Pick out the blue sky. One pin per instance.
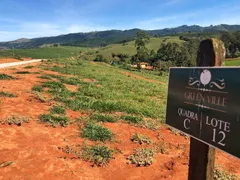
(40, 18)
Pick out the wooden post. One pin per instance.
(202, 157)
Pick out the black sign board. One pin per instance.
(205, 103)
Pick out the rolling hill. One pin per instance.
(103, 38)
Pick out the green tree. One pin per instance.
(141, 41)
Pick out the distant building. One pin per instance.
(142, 65)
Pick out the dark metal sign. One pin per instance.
(205, 103)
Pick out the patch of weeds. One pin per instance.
(58, 110)
(15, 119)
(6, 94)
(28, 67)
(41, 97)
(142, 157)
(96, 132)
(223, 175)
(161, 148)
(98, 154)
(54, 120)
(132, 119)
(45, 77)
(22, 72)
(102, 118)
(37, 88)
(140, 139)
(6, 77)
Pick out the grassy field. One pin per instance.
(44, 53)
(108, 89)
(235, 62)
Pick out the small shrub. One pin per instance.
(37, 88)
(22, 72)
(6, 94)
(96, 132)
(223, 175)
(6, 77)
(140, 139)
(99, 58)
(98, 154)
(132, 119)
(54, 120)
(58, 110)
(142, 157)
(15, 119)
(102, 118)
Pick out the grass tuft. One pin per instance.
(6, 94)
(58, 110)
(22, 72)
(6, 77)
(96, 132)
(37, 88)
(98, 154)
(54, 120)
(102, 118)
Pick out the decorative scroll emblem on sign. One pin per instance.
(206, 79)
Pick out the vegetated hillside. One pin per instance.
(103, 38)
(88, 53)
(130, 49)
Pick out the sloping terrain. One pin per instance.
(46, 110)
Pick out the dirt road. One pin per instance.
(6, 65)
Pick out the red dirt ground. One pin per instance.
(36, 151)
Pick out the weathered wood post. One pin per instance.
(202, 157)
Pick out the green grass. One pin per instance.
(97, 154)
(37, 88)
(22, 72)
(132, 119)
(102, 118)
(58, 110)
(6, 94)
(54, 120)
(5, 77)
(50, 53)
(96, 132)
(235, 62)
(118, 92)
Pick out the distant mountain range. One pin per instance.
(103, 38)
